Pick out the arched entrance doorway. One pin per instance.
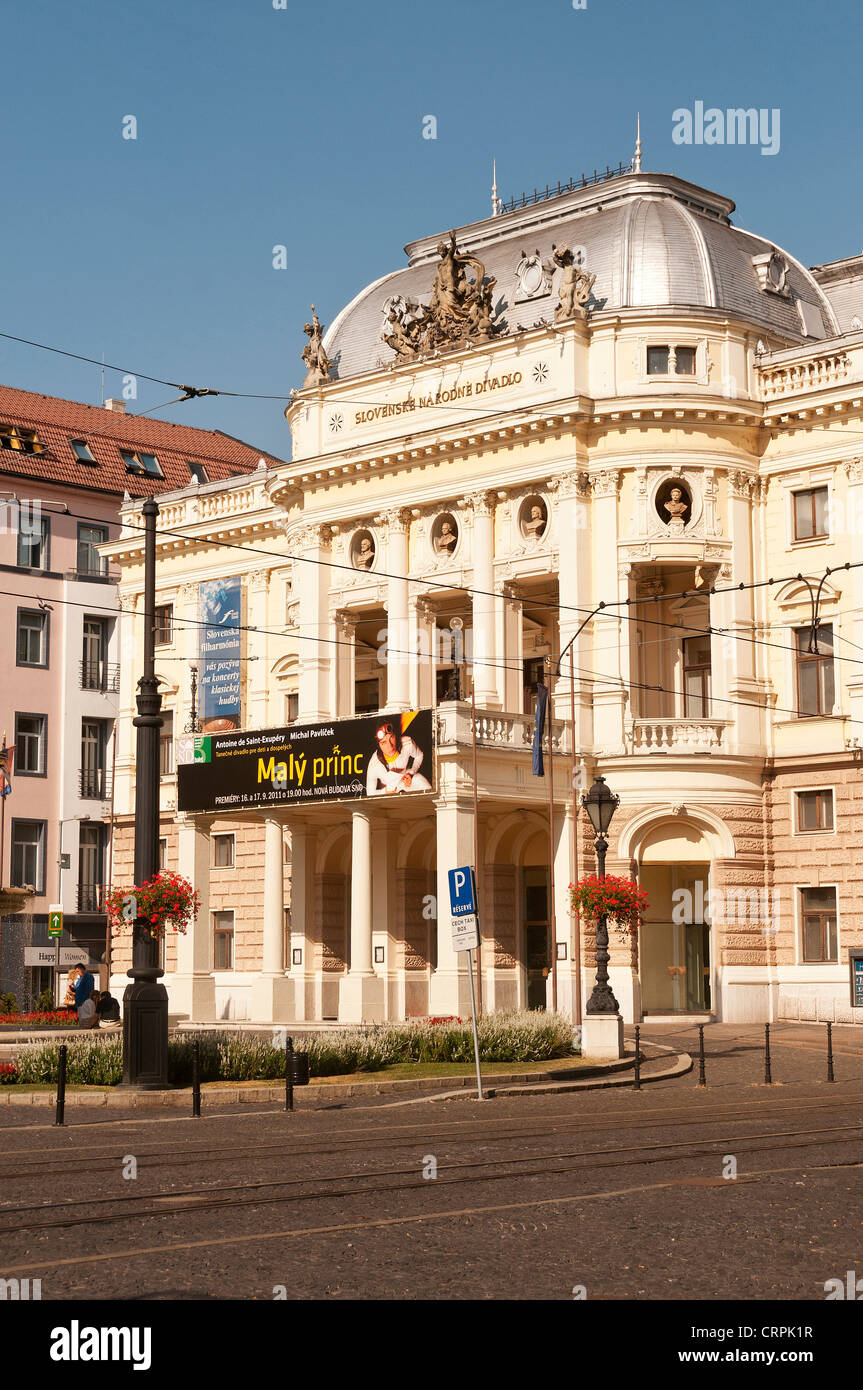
(675, 852)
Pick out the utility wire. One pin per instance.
(585, 673)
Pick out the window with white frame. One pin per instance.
(810, 514)
(814, 811)
(223, 851)
(223, 940)
(816, 688)
(30, 744)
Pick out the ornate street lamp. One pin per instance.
(145, 1002)
(601, 804)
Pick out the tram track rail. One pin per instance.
(364, 1183)
(468, 1130)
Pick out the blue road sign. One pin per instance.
(461, 892)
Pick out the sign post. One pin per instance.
(465, 937)
(55, 929)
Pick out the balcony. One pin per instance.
(494, 729)
(94, 784)
(89, 897)
(677, 736)
(99, 675)
(93, 574)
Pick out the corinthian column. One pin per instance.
(484, 644)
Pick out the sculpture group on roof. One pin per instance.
(459, 312)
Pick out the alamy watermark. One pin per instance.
(733, 126)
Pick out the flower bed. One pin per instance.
(57, 1018)
(504, 1037)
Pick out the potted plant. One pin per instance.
(166, 897)
(619, 900)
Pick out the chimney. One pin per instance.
(113, 404)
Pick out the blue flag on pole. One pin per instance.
(539, 729)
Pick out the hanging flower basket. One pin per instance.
(165, 898)
(619, 900)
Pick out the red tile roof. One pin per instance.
(105, 432)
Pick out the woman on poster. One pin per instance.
(394, 765)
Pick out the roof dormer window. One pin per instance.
(81, 450)
(142, 464)
(198, 472)
(21, 440)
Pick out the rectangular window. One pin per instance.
(28, 854)
(91, 854)
(815, 681)
(696, 677)
(30, 744)
(814, 811)
(810, 514)
(81, 450)
(657, 361)
(166, 744)
(32, 644)
(818, 910)
(223, 851)
(367, 698)
(20, 440)
(34, 543)
(93, 648)
(292, 707)
(223, 940)
(90, 562)
(684, 364)
(163, 853)
(141, 463)
(164, 624)
(197, 471)
(93, 742)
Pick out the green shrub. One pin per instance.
(505, 1036)
(45, 1003)
(91, 1061)
(8, 1004)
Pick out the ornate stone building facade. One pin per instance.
(635, 448)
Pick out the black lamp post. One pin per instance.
(601, 804)
(145, 1002)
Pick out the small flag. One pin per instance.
(539, 728)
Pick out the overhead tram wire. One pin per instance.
(601, 608)
(585, 673)
(601, 611)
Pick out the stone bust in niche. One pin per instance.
(534, 520)
(674, 505)
(446, 539)
(364, 553)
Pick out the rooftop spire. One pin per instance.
(495, 201)
(636, 163)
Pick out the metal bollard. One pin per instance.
(702, 1077)
(768, 1078)
(289, 1074)
(196, 1079)
(61, 1087)
(830, 1076)
(637, 1085)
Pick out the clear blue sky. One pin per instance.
(303, 127)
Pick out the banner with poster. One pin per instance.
(380, 755)
(220, 655)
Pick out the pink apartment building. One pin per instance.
(65, 468)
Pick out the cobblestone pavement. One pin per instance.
(736, 1191)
